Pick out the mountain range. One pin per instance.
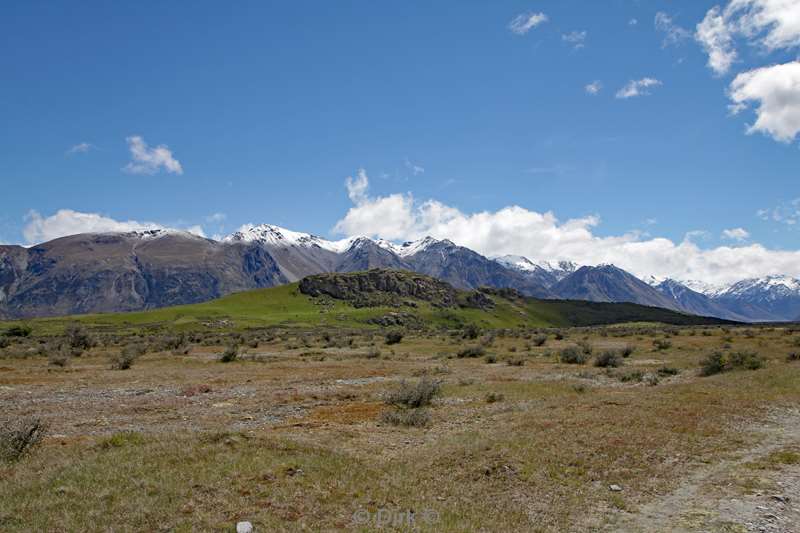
(104, 272)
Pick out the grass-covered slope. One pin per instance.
(330, 300)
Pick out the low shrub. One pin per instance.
(627, 350)
(539, 340)
(406, 417)
(748, 360)
(230, 354)
(665, 371)
(126, 356)
(394, 337)
(471, 351)
(18, 331)
(490, 359)
(413, 395)
(572, 355)
(493, 397)
(713, 363)
(716, 362)
(662, 344)
(19, 437)
(793, 356)
(515, 361)
(608, 358)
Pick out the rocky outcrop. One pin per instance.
(381, 287)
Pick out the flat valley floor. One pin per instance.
(294, 434)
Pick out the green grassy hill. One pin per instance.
(287, 306)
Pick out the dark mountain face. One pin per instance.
(607, 283)
(696, 303)
(125, 272)
(465, 269)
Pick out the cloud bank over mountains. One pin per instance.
(542, 236)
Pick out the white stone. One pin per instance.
(244, 527)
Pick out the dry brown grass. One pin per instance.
(290, 436)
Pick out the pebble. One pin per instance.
(615, 488)
(244, 527)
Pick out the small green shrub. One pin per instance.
(539, 340)
(627, 350)
(748, 360)
(662, 344)
(19, 331)
(493, 397)
(572, 355)
(413, 395)
(230, 354)
(490, 359)
(394, 337)
(126, 356)
(608, 358)
(471, 351)
(665, 371)
(713, 363)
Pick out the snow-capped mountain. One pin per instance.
(768, 298)
(195, 268)
(548, 273)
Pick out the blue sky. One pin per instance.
(269, 106)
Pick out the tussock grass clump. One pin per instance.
(572, 355)
(665, 371)
(19, 437)
(126, 356)
(471, 331)
(515, 361)
(121, 439)
(77, 337)
(608, 358)
(406, 417)
(585, 347)
(793, 356)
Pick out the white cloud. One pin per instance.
(593, 88)
(673, 34)
(633, 22)
(637, 88)
(717, 40)
(68, 222)
(516, 230)
(776, 90)
(357, 187)
(80, 148)
(768, 24)
(576, 38)
(413, 167)
(736, 234)
(522, 24)
(147, 160)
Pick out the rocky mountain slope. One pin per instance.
(141, 270)
(127, 271)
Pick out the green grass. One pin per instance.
(286, 306)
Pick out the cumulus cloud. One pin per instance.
(147, 160)
(517, 230)
(39, 228)
(776, 92)
(673, 34)
(576, 38)
(768, 24)
(636, 88)
(736, 234)
(522, 24)
(593, 88)
(80, 148)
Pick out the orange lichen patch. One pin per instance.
(347, 413)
